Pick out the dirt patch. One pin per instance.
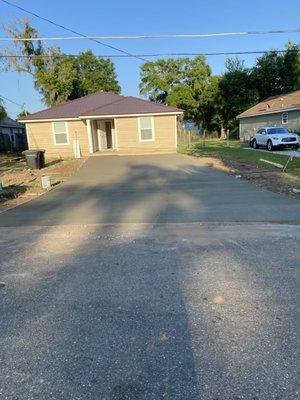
(274, 180)
(22, 184)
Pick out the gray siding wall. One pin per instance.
(250, 125)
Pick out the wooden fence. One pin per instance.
(186, 139)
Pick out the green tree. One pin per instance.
(23, 114)
(210, 106)
(2, 110)
(57, 76)
(159, 77)
(177, 82)
(237, 92)
(276, 73)
(94, 74)
(182, 96)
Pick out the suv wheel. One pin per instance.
(269, 145)
(254, 144)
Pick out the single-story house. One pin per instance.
(103, 122)
(282, 110)
(12, 135)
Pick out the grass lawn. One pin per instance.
(238, 151)
(20, 183)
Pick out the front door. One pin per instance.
(108, 132)
(104, 132)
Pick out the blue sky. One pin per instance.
(156, 17)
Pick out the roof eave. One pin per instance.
(130, 115)
(268, 112)
(25, 121)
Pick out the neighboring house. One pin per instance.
(101, 122)
(12, 135)
(282, 110)
(190, 126)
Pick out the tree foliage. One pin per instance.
(210, 105)
(176, 82)
(276, 73)
(23, 113)
(2, 110)
(236, 91)
(214, 101)
(58, 76)
(94, 74)
(160, 77)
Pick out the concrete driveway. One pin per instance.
(100, 302)
(166, 188)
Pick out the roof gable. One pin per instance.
(131, 105)
(100, 103)
(274, 104)
(9, 122)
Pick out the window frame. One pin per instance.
(287, 118)
(152, 128)
(67, 133)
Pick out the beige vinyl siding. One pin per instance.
(40, 135)
(250, 125)
(127, 129)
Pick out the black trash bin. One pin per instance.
(35, 159)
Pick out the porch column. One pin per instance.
(90, 137)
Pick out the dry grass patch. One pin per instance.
(21, 184)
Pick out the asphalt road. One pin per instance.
(144, 310)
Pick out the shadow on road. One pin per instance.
(113, 311)
(102, 317)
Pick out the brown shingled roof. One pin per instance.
(101, 103)
(274, 104)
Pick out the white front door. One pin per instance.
(105, 135)
(103, 139)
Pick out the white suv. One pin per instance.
(275, 137)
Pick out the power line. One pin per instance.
(156, 36)
(71, 30)
(155, 55)
(11, 101)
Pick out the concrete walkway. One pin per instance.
(154, 189)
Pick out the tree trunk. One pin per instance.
(222, 133)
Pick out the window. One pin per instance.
(285, 118)
(146, 129)
(277, 131)
(60, 131)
